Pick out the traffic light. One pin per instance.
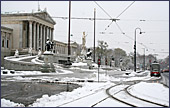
(134, 46)
(106, 61)
(99, 62)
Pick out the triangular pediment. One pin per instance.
(45, 16)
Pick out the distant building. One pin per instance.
(62, 48)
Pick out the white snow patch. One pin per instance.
(151, 91)
(37, 61)
(79, 64)
(8, 103)
(66, 97)
(13, 58)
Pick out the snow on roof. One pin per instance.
(20, 12)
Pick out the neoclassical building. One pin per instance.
(62, 48)
(22, 31)
(6, 42)
(30, 30)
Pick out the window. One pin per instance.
(3, 43)
(7, 44)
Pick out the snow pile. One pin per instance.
(83, 69)
(95, 65)
(37, 61)
(79, 64)
(57, 66)
(102, 77)
(15, 73)
(62, 71)
(21, 57)
(67, 97)
(8, 103)
(88, 70)
(48, 52)
(133, 77)
(151, 91)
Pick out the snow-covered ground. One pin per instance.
(21, 57)
(90, 93)
(151, 91)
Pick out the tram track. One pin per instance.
(114, 96)
(125, 97)
(126, 89)
(108, 96)
(82, 97)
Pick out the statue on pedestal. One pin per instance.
(16, 53)
(89, 54)
(83, 52)
(84, 40)
(39, 53)
(48, 58)
(49, 45)
(89, 58)
(30, 51)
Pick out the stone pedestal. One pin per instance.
(113, 63)
(48, 65)
(89, 62)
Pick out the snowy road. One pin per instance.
(97, 99)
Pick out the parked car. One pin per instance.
(164, 70)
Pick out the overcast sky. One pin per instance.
(155, 26)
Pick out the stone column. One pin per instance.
(41, 37)
(5, 40)
(38, 36)
(52, 34)
(20, 35)
(34, 35)
(44, 37)
(47, 33)
(30, 34)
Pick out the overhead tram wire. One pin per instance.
(112, 19)
(107, 14)
(103, 9)
(118, 25)
(125, 9)
(120, 14)
(117, 17)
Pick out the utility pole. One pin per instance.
(94, 33)
(144, 60)
(69, 32)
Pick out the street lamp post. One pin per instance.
(135, 49)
